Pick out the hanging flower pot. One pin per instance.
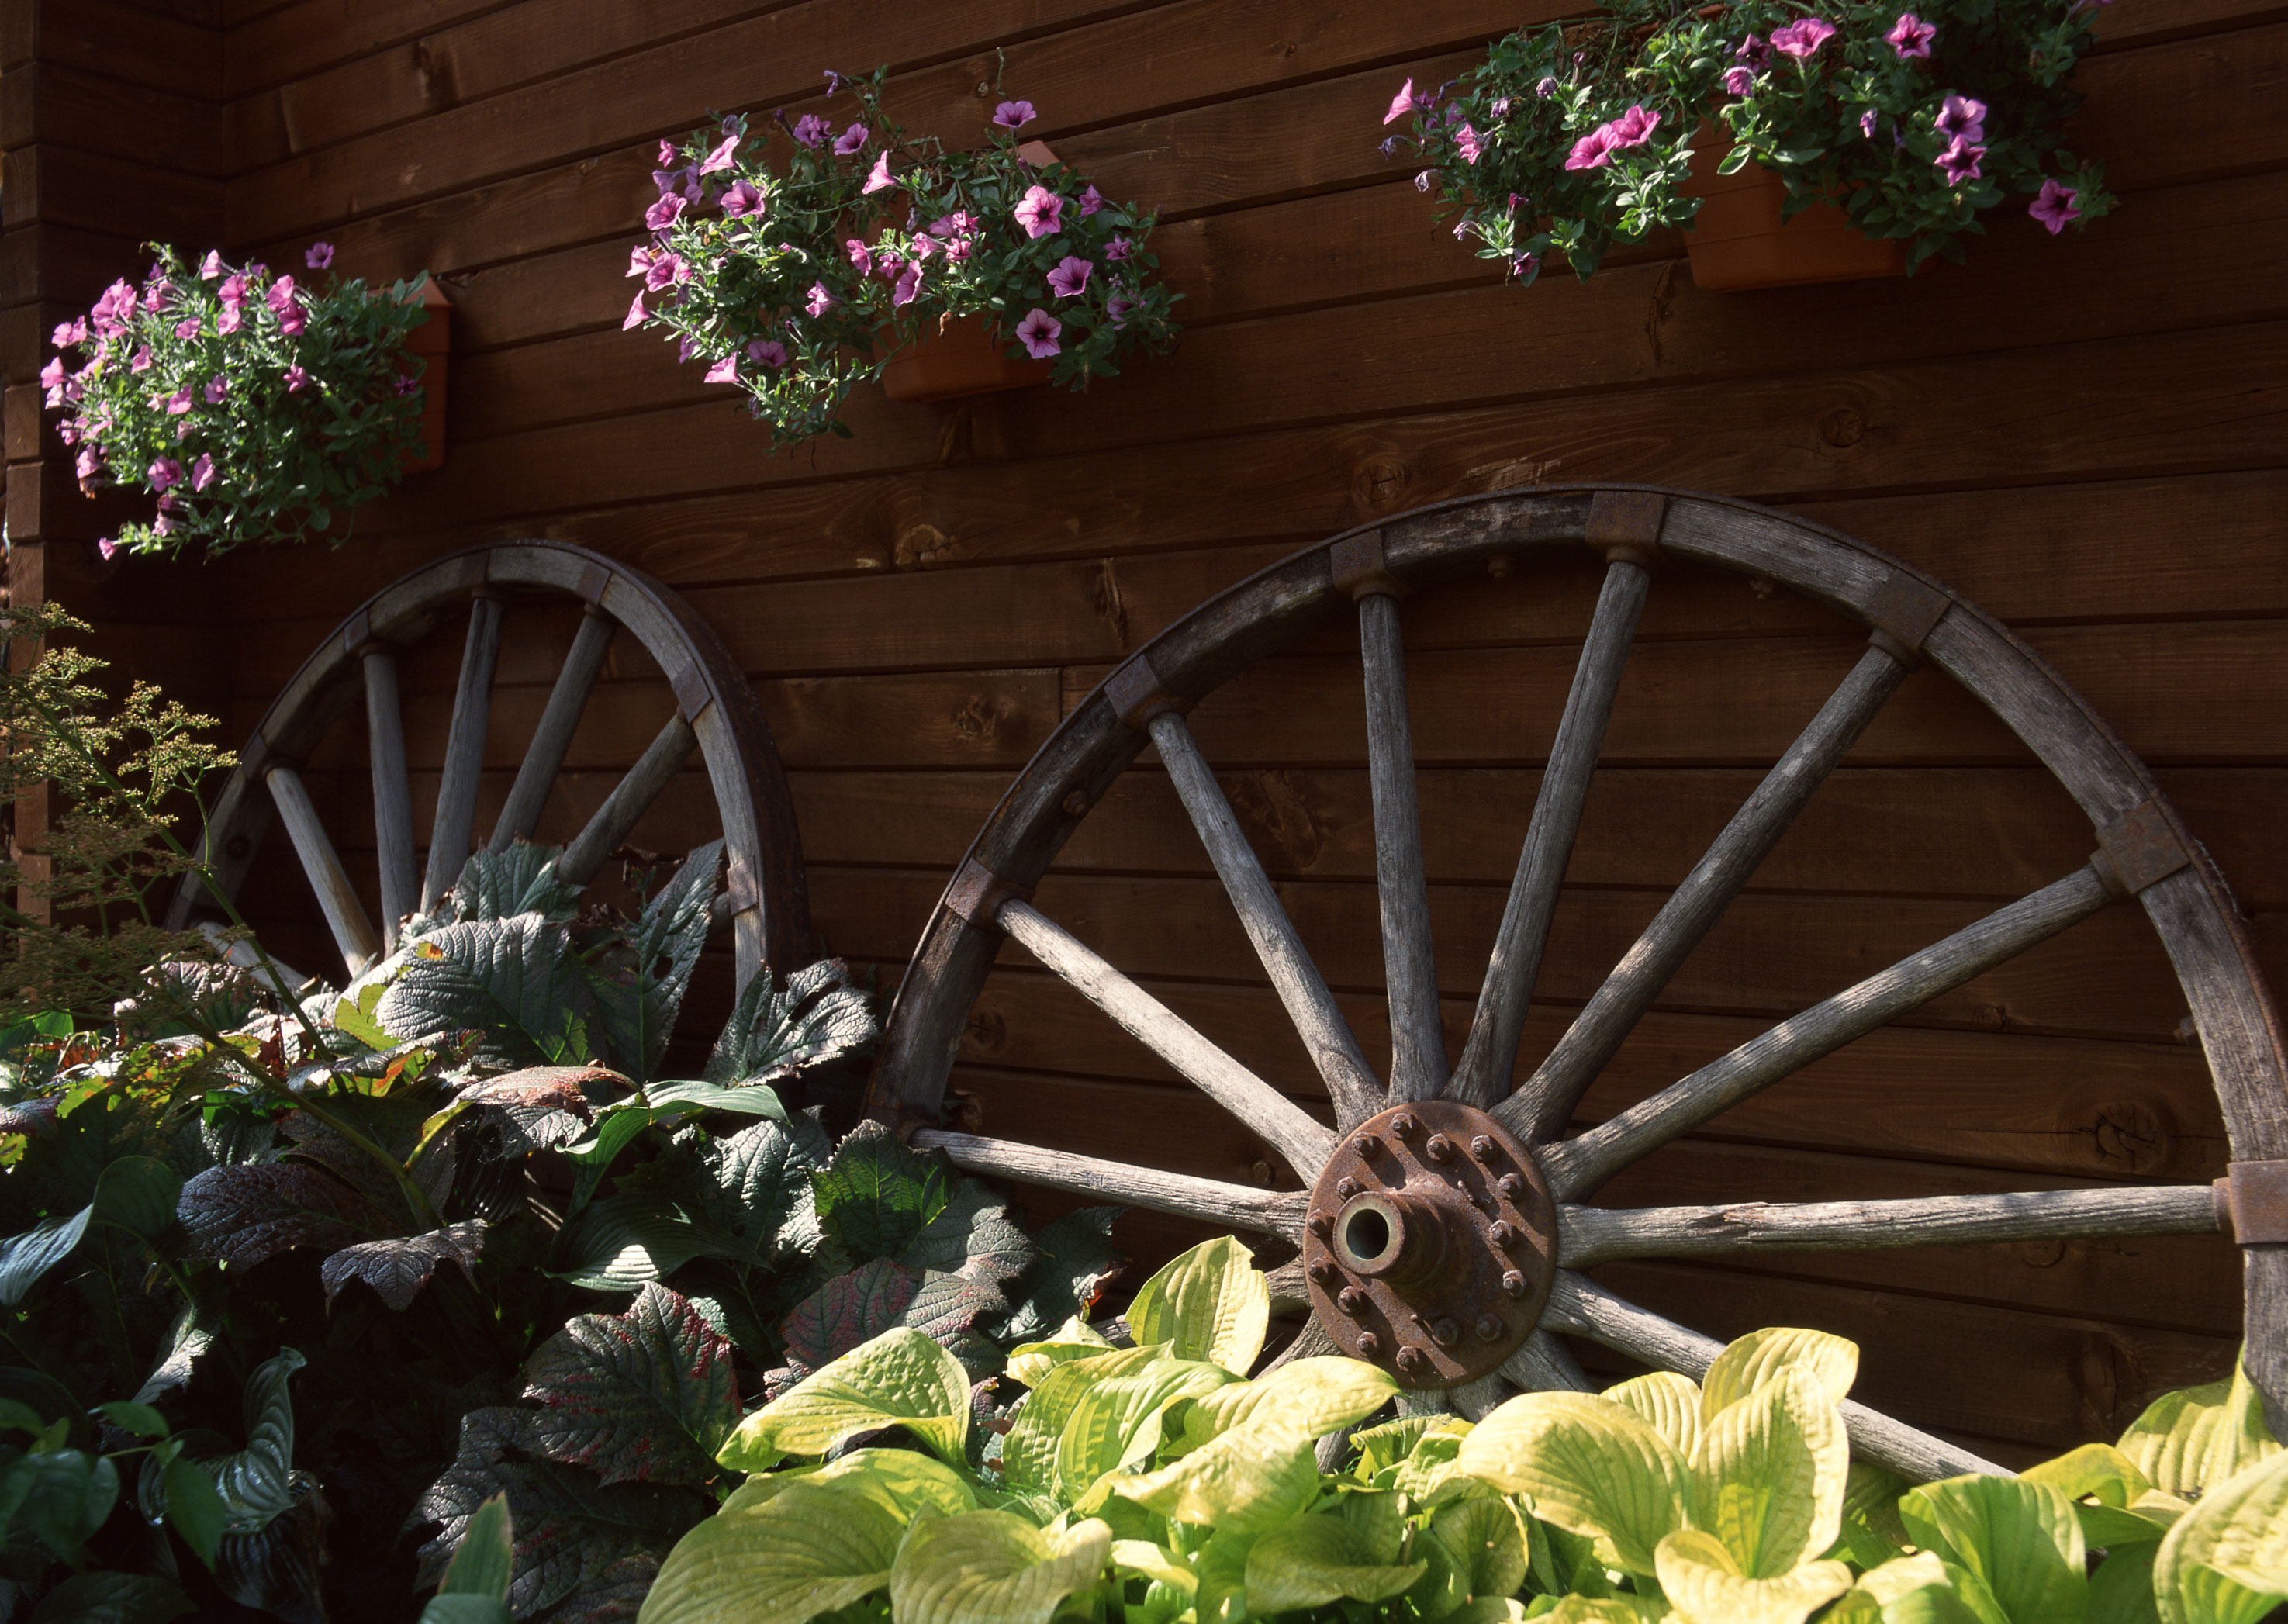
(433, 342)
(964, 357)
(1739, 240)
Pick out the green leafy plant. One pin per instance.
(254, 407)
(1916, 120)
(1155, 1481)
(797, 264)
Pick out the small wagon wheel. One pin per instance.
(1442, 1225)
(714, 711)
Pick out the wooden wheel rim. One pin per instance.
(2143, 849)
(767, 899)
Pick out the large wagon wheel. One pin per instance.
(714, 711)
(1440, 1227)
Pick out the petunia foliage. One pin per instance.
(797, 261)
(258, 408)
(1569, 140)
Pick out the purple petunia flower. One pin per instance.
(1802, 36)
(664, 271)
(667, 155)
(1069, 280)
(1525, 265)
(1960, 162)
(636, 314)
(720, 158)
(1091, 201)
(1014, 115)
(662, 214)
(217, 387)
(860, 255)
(1040, 212)
(880, 179)
(162, 472)
(1422, 181)
(1401, 104)
(1867, 123)
(1595, 149)
(1118, 307)
(297, 379)
(909, 288)
(285, 306)
(1117, 250)
(320, 255)
(210, 267)
(850, 140)
(1038, 332)
(724, 371)
(821, 299)
(742, 199)
(767, 352)
(2056, 206)
(203, 473)
(1470, 144)
(1739, 81)
(811, 130)
(1961, 118)
(1910, 36)
(1754, 51)
(1546, 88)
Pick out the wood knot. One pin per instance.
(986, 1033)
(2131, 1137)
(1842, 428)
(1379, 482)
(1286, 817)
(920, 546)
(984, 718)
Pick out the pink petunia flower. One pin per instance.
(297, 379)
(406, 383)
(162, 472)
(2055, 207)
(1038, 332)
(52, 377)
(664, 271)
(1014, 115)
(811, 130)
(218, 387)
(1118, 307)
(667, 154)
(1754, 51)
(285, 306)
(861, 256)
(113, 311)
(210, 267)
(878, 178)
(662, 214)
(1118, 251)
(1071, 277)
(821, 299)
(187, 327)
(1040, 212)
(767, 352)
(203, 471)
(1595, 149)
(68, 333)
(1470, 144)
(320, 256)
(909, 288)
(1401, 104)
(89, 463)
(720, 158)
(180, 402)
(1802, 36)
(233, 291)
(724, 371)
(1910, 36)
(742, 199)
(142, 362)
(1739, 81)
(636, 314)
(1867, 122)
(108, 548)
(232, 317)
(1960, 162)
(1961, 118)
(850, 140)
(1090, 202)
(156, 292)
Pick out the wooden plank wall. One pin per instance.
(2085, 435)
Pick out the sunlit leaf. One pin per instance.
(1588, 1465)
(644, 1397)
(991, 1567)
(901, 1378)
(1208, 1303)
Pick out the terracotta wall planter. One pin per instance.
(433, 342)
(1738, 242)
(963, 358)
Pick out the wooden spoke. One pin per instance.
(1271, 1211)
(455, 820)
(1544, 1365)
(667, 752)
(1577, 1165)
(393, 792)
(346, 916)
(1285, 1126)
(543, 757)
(1418, 1041)
(1582, 1307)
(1325, 1034)
(1540, 1108)
(1485, 1074)
(1590, 1235)
(1475, 1400)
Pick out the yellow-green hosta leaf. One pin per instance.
(1314, 1395)
(1029, 1450)
(1432, 1475)
(1894, 1579)
(1494, 1610)
(901, 1377)
(1075, 1339)
(1221, 1565)
(1589, 1466)
(904, 1482)
(2226, 1561)
(1706, 1585)
(1916, 1589)
(1609, 1610)
(1145, 1560)
(1760, 1355)
(1669, 1401)
(1310, 1561)
(806, 1551)
(1871, 1510)
(1486, 1541)
(1242, 1481)
(1384, 1447)
(992, 1567)
(1117, 1420)
(2020, 1538)
(1380, 1515)
(1209, 1303)
(1771, 1472)
(2121, 1589)
(2198, 1436)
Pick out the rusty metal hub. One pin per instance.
(1430, 1244)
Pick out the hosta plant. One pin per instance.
(1157, 1480)
(1917, 116)
(795, 259)
(257, 407)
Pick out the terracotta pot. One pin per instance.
(963, 358)
(433, 342)
(1737, 240)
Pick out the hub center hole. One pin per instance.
(1366, 1233)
